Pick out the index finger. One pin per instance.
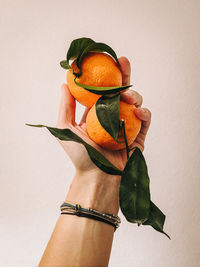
(125, 68)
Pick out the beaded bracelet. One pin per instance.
(111, 219)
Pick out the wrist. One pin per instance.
(95, 189)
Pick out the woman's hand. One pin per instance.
(91, 240)
(77, 152)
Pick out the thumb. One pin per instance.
(67, 108)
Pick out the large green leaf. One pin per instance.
(107, 110)
(98, 159)
(134, 189)
(81, 46)
(156, 219)
(76, 48)
(103, 90)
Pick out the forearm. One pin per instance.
(78, 241)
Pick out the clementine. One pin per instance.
(101, 137)
(98, 69)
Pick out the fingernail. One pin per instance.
(130, 92)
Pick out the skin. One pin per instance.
(79, 241)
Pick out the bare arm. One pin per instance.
(78, 241)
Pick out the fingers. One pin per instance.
(125, 70)
(83, 119)
(66, 115)
(145, 116)
(129, 96)
(132, 97)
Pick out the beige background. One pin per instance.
(162, 41)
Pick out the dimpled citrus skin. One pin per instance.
(99, 135)
(98, 69)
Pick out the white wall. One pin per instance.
(162, 41)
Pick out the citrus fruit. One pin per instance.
(101, 137)
(98, 69)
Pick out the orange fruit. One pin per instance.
(98, 69)
(101, 137)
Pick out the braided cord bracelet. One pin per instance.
(111, 219)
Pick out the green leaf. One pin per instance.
(64, 64)
(107, 110)
(156, 219)
(97, 158)
(134, 189)
(80, 47)
(76, 48)
(103, 90)
(100, 47)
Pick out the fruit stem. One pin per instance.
(125, 139)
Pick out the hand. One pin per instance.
(77, 152)
(90, 187)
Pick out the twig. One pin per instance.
(125, 139)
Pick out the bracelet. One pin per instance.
(90, 217)
(111, 219)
